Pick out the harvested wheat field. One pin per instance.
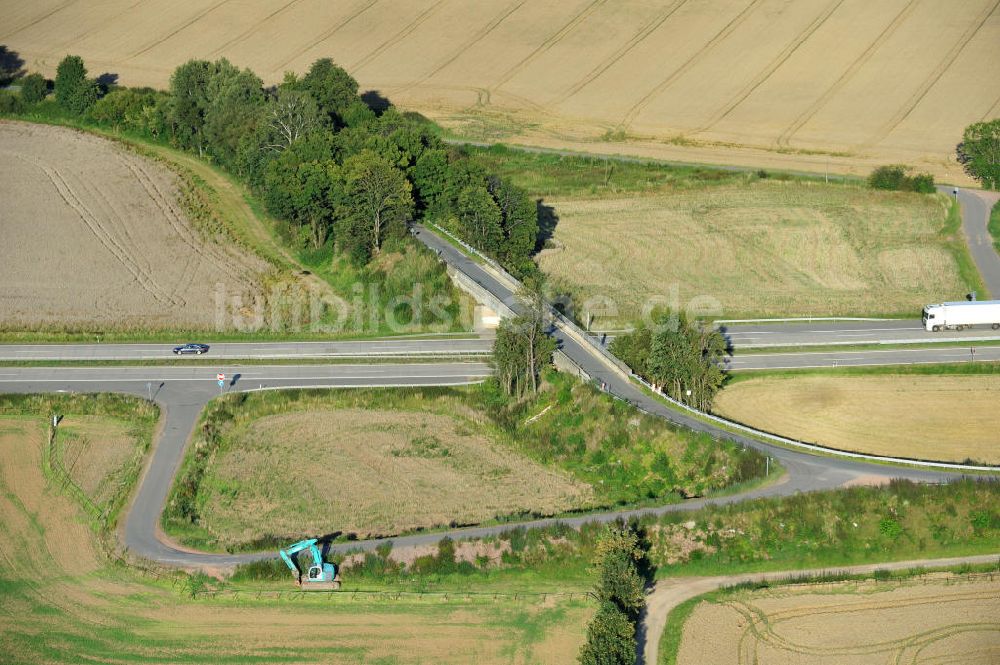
(816, 84)
(95, 239)
(60, 601)
(767, 248)
(370, 472)
(933, 417)
(937, 620)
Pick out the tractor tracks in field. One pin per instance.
(567, 28)
(665, 83)
(943, 66)
(253, 28)
(784, 139)
(398, 37)
(183, 26)
(479, 35)
(39, 19)
(645, 31)
(326, 34)
(106, 238)
(771, 68)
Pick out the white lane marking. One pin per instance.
(243, 379)
(831, 366)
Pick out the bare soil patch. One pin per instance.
(923, 621)
(94, 238)
(765, 248)
(947, 418)
(841, 86)
(370, 472)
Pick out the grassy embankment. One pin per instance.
(222, 209)
(432, 457)
(759, 244)
(925, 412)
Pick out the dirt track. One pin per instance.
(94, 238)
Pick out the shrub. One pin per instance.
(610, 638)
(9, 103)
(34, 88)
(895, 178)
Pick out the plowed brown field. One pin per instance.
(843, 84)
(94, 238)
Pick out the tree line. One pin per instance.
(321, 159)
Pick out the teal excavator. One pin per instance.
(320, 576)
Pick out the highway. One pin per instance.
(389, 348)
(842, 333)
(867, 358)
(183, 392)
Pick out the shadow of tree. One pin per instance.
(11, 65)
(547, 221)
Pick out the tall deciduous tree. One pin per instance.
(189, 103)
(480, 219)
(234, 99)
(979, 152)
(289, 117)
(522, 347)
(332, 87)
(379, 197)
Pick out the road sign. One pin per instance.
(220, 377)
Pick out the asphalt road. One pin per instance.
(975, 217)
(250, 350)
(842, 333)
(182, 394)
(833, 359)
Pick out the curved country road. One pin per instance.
(976, 206)
(671, 592)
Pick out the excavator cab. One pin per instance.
(319, 576)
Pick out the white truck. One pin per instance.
(960, 315)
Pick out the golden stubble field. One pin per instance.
(61, 601)
(94, 238)
(768, 248)
(370, 473)
(936, 620)
(816, 84)
(935, 417)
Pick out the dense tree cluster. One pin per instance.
(679, 357)
(620, 590)
(318, 156)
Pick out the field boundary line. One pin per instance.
(771, 67)
(181, 28)
(944, 65)
(328, 33)
(786, 136)
(398, 37)
(720, 36)
(649, 28)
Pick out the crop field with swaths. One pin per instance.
(62, 601)
(947, 619)
(935, 417)
(815, 84)
(94, 237)
(767, 248)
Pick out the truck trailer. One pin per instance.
(961, 315)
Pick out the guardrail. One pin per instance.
(620, 367)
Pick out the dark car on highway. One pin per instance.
(191, 348)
